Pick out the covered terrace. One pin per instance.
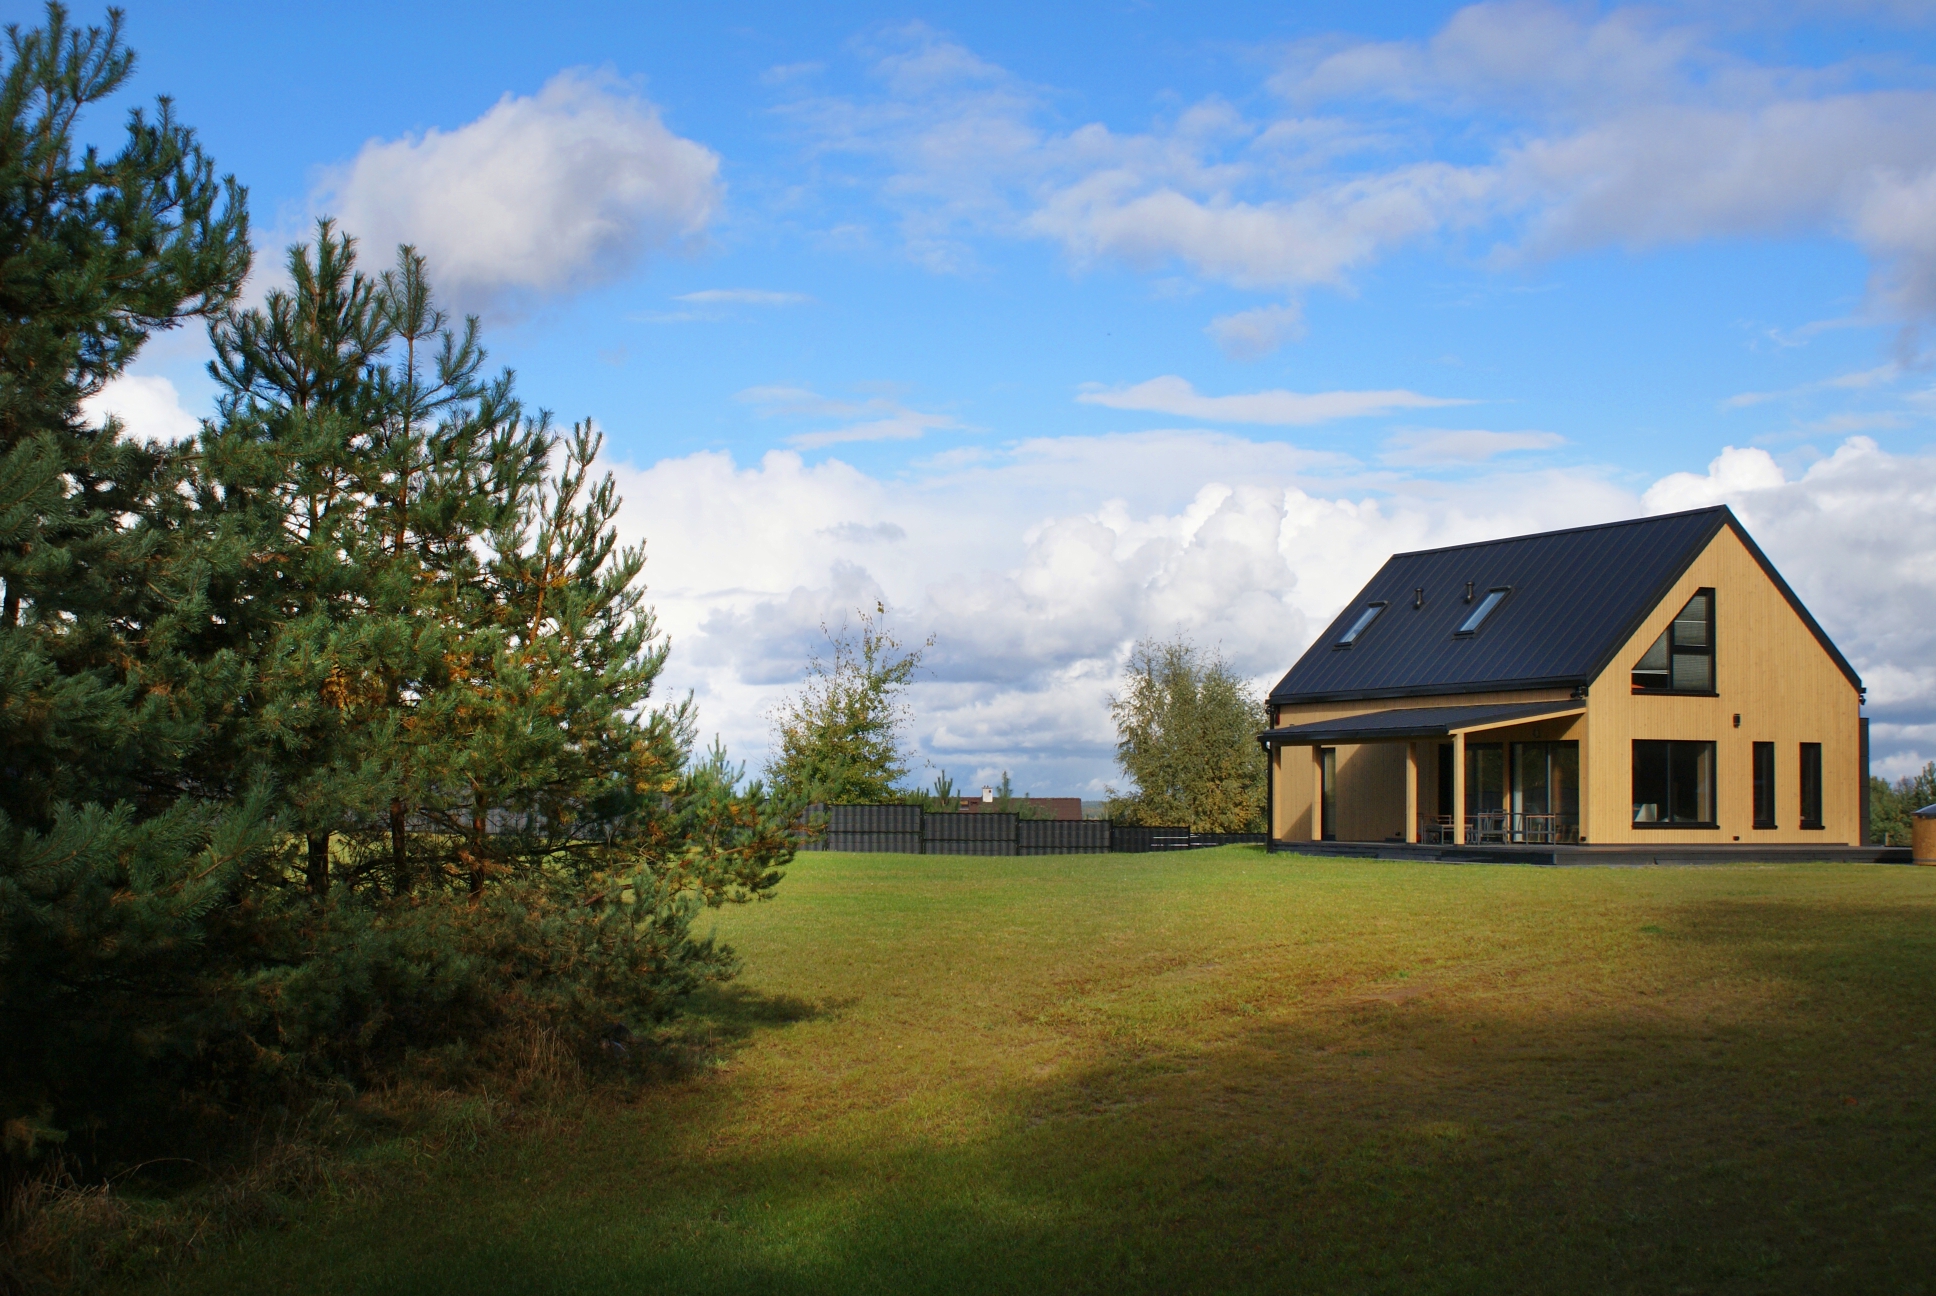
(1507, 773)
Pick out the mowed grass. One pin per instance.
(1226, 1071)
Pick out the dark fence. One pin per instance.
(1060, 836)
(909, 830)
(1140, 838)
(969, 834)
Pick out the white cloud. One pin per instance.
(1855, 535)
(879, 418)
(1173, 395)
(1038, 563)
(1541, 128)
(1252, 334)
(1073, 548)
(545, 193)
(742, 297)
(1429, 446)
(149, 408)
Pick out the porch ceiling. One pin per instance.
(1414, 722)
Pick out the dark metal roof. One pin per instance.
(1416, 722)
(1577, 596)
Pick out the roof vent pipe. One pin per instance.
(1468, 591)
(1418, 598)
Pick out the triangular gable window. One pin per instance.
(1682, 659)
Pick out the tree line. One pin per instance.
(328, 738)
(1186, 726)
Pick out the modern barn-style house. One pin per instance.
(1641, 689)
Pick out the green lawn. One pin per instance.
(1226, 1071)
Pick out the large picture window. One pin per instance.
(1673, 784)
(1682, 659)
(1811, 783)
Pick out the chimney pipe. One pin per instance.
(1468, 591)
(1418, 598)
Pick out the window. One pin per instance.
(1673, 784)
(1764, 785)
(1682, 659)
(1485, 778)
(1811, 783)
(1493, 598)
(1328, 797)
(1358, 627)
(1545, 792)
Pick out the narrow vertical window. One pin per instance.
(1764, 785)
(1328, 800)
(1682, 659)
(1811, 785)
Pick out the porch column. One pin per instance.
(1411, 791)
(1317, 792)
(1458, 788)
(1585, 747)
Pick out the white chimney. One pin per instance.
(988, 795)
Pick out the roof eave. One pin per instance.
(1432, 690)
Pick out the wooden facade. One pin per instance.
(1775, 681)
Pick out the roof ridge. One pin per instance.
(1541, 535)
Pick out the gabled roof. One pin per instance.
(1576, 597)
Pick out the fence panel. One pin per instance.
(1137, 839)
(968, 834)
(899, 843)
(874, 819)
(1061, 836)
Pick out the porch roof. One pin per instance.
(1414, 722)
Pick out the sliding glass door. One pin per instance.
(1546, 792)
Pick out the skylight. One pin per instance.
(1365, 618)
(1479, 614)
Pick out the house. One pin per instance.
(1032, 807)
(1626, 690)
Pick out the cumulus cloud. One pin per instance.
(1173, 395)
(1074, 548)
(149, 408)
(1077, 546)
(1252, 334)
(1855, 534)
(544, 193)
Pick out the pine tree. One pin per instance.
(111, 859)
(357, 443)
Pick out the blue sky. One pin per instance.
(1055, 326)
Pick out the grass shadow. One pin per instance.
(1712, 1095)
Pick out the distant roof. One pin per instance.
(1413, 722)
(1576, 597)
